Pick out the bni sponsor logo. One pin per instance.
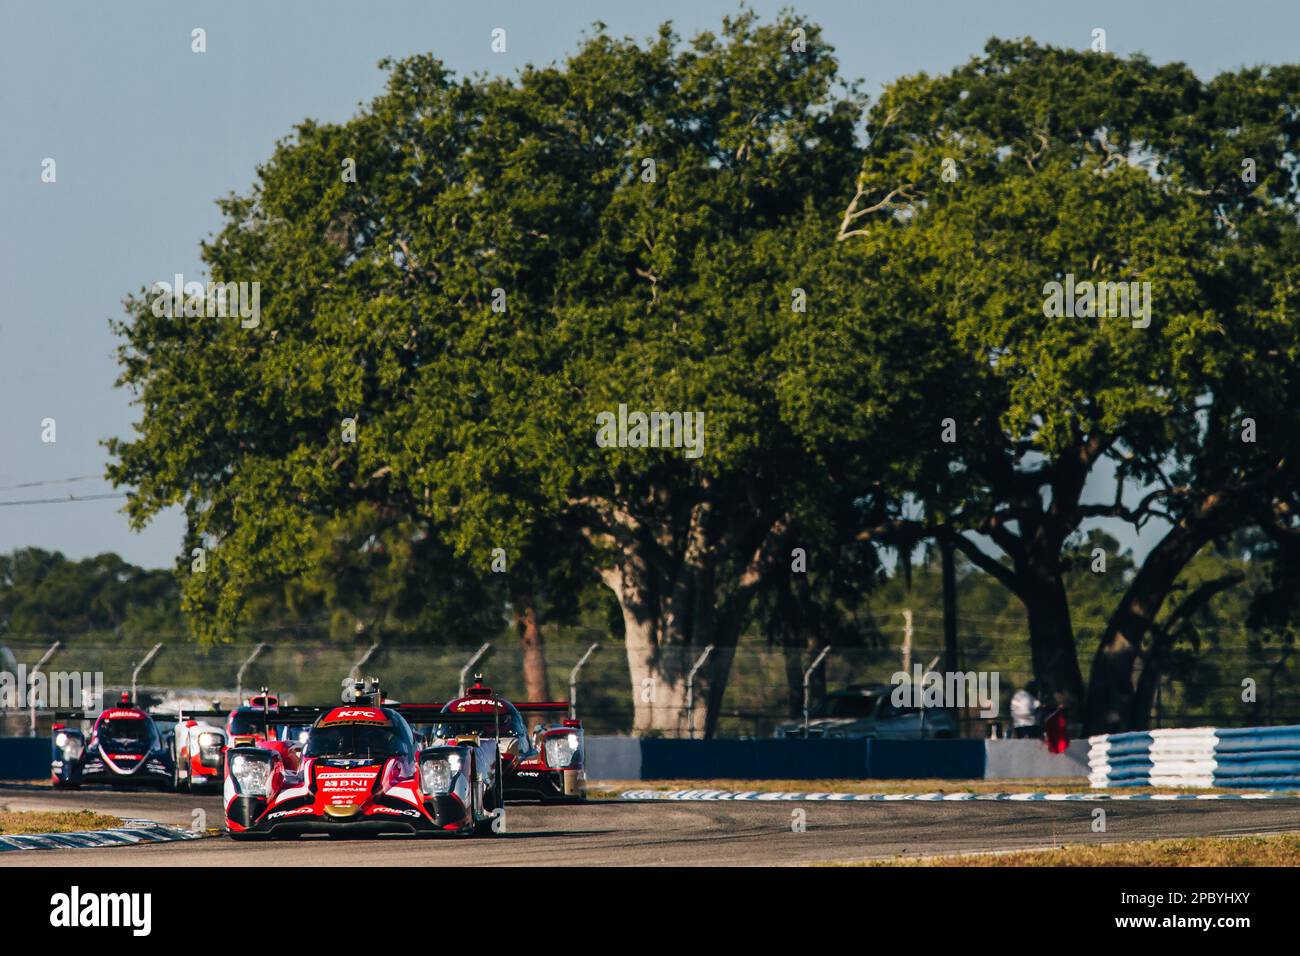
(75, 909)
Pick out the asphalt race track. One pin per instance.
(611, 833)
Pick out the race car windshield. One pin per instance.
(294, 734)
(247, 724)
(510, 726)
(127, 732)
(354, 740)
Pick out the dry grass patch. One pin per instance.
(1275, 850)
(54, 821)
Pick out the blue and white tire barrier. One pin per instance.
(130, 833)
(780, 796)
(1255, 757)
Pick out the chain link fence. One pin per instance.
(764, 686)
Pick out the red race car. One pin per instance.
(546, 764)
(364, 771)
(200, 742)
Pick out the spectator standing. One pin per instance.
(1024, 712)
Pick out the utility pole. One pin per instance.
(907, 641)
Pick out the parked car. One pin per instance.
(868, 712)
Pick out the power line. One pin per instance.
(50, 481)
(61, 501)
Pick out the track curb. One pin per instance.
(1043, 797)
(131, 833)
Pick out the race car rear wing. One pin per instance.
(427, 714)
(269, 718)
(542, 706)
(183, 714)
(434, 714)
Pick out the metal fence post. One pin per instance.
(690, 691)
(573, 682)
(239, 678)
(141, 666)
(470, 663)
(31, 696)
(807, 679)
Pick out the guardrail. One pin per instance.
(1256, 757)
(634, 758)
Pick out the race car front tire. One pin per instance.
(490, 805)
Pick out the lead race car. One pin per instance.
(364, 771)
(124, 748)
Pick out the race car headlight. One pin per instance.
(69, 744)
(252, 774)
(561, 749)
(209, 742)
(436, 774)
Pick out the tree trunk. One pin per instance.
(801, 642)
(664, 579)
(1163, 641)
(657, 668)
(1051, 641)
(536, 684)
(1111, 703)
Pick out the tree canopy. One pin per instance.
(464, 283)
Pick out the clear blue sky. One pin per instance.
(146, 135)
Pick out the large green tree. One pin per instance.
(1031, 166)
(515, 258)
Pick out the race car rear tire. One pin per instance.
(60, 785)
